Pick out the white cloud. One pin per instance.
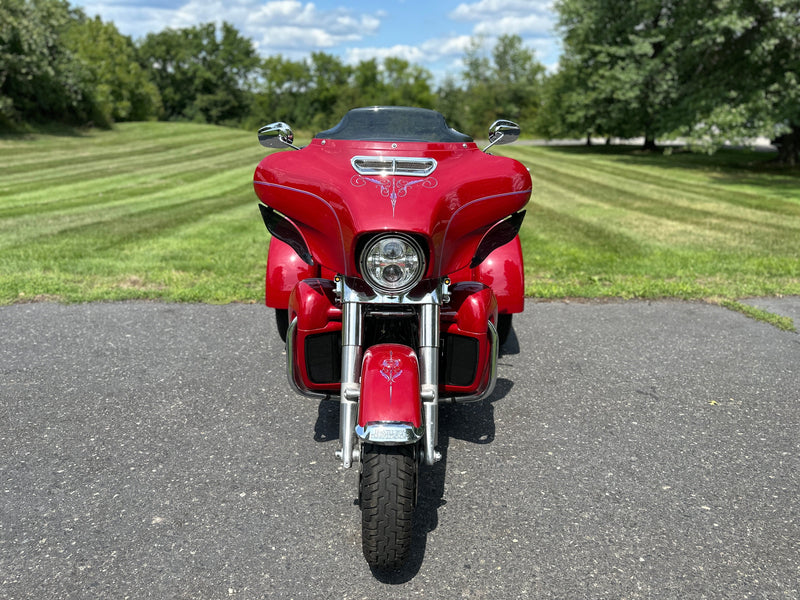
(274, 26)
(492, 9)
(429, 51)
(520, 25)
(532, 20)
(280, 25)
(521, 17)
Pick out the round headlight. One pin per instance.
(393, 264)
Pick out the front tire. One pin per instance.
(282, 322)
(387, 492)
(503, 327)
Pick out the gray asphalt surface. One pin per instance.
(630, 450)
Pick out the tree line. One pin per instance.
(707, 70)
(58, 65)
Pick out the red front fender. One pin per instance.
(390, 387)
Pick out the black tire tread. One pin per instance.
(282, 322)
(387, 494)
(504, 323)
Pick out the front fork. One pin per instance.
(352, 353)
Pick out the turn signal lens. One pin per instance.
(393, 264)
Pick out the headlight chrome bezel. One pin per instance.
(411, 275)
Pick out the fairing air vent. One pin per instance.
(387, 165)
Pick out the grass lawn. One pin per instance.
(613, 222)
(149, 210)
(167, 211)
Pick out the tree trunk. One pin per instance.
(588, 139)
(649, 143)
(789, 147)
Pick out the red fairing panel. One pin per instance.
(503, 272)
(318, 189)
(472, 305)
(284, 270)
(313, 302)
(390, 386)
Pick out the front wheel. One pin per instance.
(503, 327)
(387, 492)
(282, 322)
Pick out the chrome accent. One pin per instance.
(501, 132)
(430, 412)
(393, 165)
(414, 297)
(290, 366)
(390, 433)
(493, 341)
(276, 135)
(429, 300)
(351, 376)
(429, 376)
(379, 285)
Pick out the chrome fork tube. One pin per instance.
(429, 377)
(351, 375)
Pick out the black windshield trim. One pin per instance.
(394, 124)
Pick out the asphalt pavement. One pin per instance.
(630, 450)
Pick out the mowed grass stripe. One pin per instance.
(702, 195)
(90, 153)
(695, 218)
(166, 223)
(705, 207)
(615, 224)
(167, 211)
(33, 183)
(123, 211)
(112, 185)
(209, 155)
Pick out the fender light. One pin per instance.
(393, 264)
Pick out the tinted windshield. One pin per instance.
(394, 124)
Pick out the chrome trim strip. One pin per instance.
(390, 433)
(393, 165)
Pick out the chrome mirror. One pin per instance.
(276, 135)
(502, 131)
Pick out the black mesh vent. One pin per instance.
(459, 360)
(324, 357)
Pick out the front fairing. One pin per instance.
(333, 206)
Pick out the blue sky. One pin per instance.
(431, 33)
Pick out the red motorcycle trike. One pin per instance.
(394, 269)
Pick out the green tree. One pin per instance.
(623, 54)
(405, 84)
(507, 85)
(316, 92)
(202, 74)
(740, 72)
(715, 70)
(40, 78)
(570, 109)
(330, 78)
(282, 93)
(120, 89)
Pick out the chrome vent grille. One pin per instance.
(387, 165)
